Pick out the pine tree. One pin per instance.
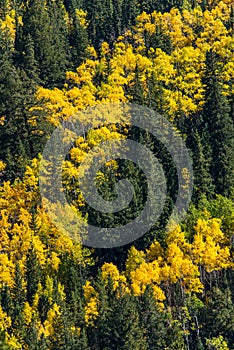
(78, 39)
(47, 28)
(19, 298)
(217, 316)
(57, 339)
(118, 321)
(159, 39)
(82, 343)
(118, 17)
(54, 72)
(137, 90)
(161, 330)
(31, 337)
(9, 82)
(43, 306)
(196, 141)
(101, 24)
(127, 332)
(219, 123)
(29, 63)
(130, 11)
(153, 321)
(154, 98)
(6, 300)
(33, 274)
(16, 97)
(18, 290)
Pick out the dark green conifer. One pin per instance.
(218, 121)
(33, 274)
(78, 39)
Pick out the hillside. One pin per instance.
(161, 75)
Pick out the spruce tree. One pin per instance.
(161, 330)
(9, 83)
(31, 336)
(54, 73)
(33, 274)
(137, 90)
(218, 120)
(131, 9)
(16, 98)
(19, 298)
(78, 39)
(118, 322)
(118, 17)
(45, 23)
(6, 300)
(101, 24)
(196, 141)
(217, 316)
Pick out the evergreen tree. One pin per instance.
(43, 306)
(217, 316)
(19, 298)
(16, 97)
(201, 154)
(83, 343)
(219, 123)
(78, 39)
(164, 6)
(126, 330)
(33, 274)
(9, 82)
(131, 9)
(137, 90)
(6, 300)
(118, 321)
(31, 337)
(158, 40)
(162, 332)
(47, 28)
(57, 340)
(54, 72)
(118, 17)
(29, 63)
(154, 97)
(101, 24)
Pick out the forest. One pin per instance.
(169, 289)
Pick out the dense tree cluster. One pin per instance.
(166, 290)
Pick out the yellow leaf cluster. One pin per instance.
(180, 261)
(52, 314)
(5, 321)
(27, 313)
(109, 270)
(210, 247)
(8, 24)
(82, 16)
(91, 307)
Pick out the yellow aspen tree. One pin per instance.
(5, 326)
(27, 313)
(8, 24)
(210, 247)
(52, 314)
(109, 270)
(134, 260)
(91, 306)
(179, 267)
(7, 271)
(147, 274)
